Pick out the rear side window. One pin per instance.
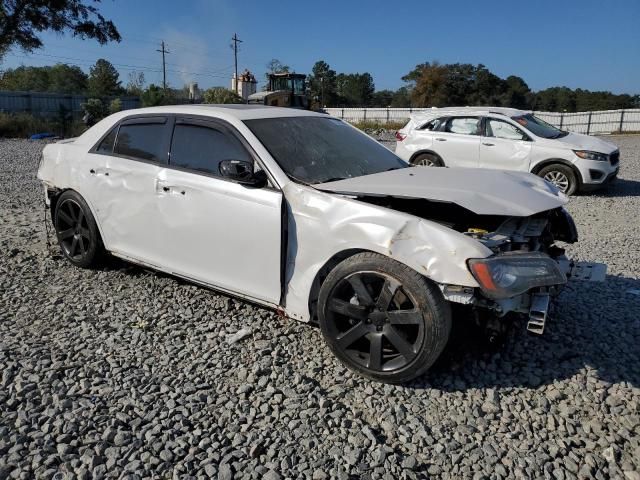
(142, 140)
(433, 125)
(106, 145)
(463, 125)
(202, 148)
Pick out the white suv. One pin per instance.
(507, 139)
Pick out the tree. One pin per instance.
(104, 79)
(22, 20)
(60, 78)
(221, 95)
(355, 89)
(322, 84)
(135, 85)
(275, 66)
(152, 96)
(382, 98)
(401, 98)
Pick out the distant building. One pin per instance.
(246, 84)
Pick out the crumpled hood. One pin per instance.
(482, 191)
(578, 141)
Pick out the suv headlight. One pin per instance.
(587, 155)
(508, 275)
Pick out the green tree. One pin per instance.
(322, 84)
(382, 98)
(219, 95)
(115, 105)
(60, 78)
(21, 22)
(355, 89)
(401, 98)
(152, 96)
(104, 79)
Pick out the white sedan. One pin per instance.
(303, 213)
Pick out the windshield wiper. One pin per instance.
(334, 179)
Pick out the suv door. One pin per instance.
(504, 146)
(214, 230)
(457, 141)
(121, 172)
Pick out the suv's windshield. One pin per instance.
(317, 150)
(539, 127)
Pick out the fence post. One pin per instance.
(342, 114)
(589, 123)
(365, 114)
(410, 110)
(621, 121)
(387, 114)
(561, 119)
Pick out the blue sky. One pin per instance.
(578, 43)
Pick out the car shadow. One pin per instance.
(594, 326)
(619, 188)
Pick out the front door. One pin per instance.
(504, 146)
(214, 230)
(458, 141)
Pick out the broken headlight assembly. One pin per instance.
(508, 275)
(587, 155)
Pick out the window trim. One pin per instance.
(159, 118)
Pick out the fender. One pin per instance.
(540, 165)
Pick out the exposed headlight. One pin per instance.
(587, 155)
(508, 275)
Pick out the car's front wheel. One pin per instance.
(561, 176)
(76, 230)
(382, 319)
(427, 160)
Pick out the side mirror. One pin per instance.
(242, 172)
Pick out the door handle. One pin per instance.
(92, 171)
(166, 189)
(488, 144)
(441, 139)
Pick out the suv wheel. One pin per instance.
(561, 176)
(427, 160)
(382, 319)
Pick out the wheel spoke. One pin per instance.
(354, 333)
(73, 247)
(364, 297)
(375, 351)
(65, 217)
(400, 344)
(349, 309)
(387, 293)
(85, 233)
(64, 234)
(80, 217)
(405, 317)
(83, 249)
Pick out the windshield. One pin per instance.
(539, 127)
(318, 150)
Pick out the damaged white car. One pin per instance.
(305, 214)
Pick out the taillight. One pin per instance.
(400, 136)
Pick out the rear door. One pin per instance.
(214, 230)
(457, 141)
(123, 192)
(504, 146)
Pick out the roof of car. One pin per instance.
(239, 111)
(437, 112)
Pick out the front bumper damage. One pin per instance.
(534, 304)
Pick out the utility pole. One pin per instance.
(235, 40)
(164, 68)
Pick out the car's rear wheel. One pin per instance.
(382, 319)
(561, 176)
(76, 230)
(427, 160)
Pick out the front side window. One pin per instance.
(538, 126)
(500, 129)
(322, 149)
(203, 148)
(463, 125)
(141, 140)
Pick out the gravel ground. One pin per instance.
(119, 373)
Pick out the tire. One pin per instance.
(382, 319)
(76, 231)
(561, 176)
(427, 160)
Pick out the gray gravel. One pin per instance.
(118, 373)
